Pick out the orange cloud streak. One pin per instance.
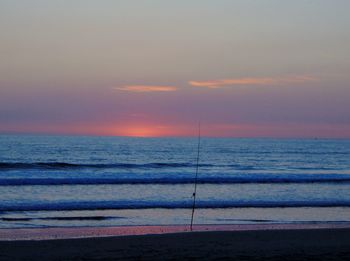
(252, 81)
(146, 88)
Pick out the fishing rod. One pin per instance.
(196, 177)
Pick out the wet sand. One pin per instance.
(268, 243)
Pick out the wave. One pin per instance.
(253, 179)
(64, 165)
(61, 218)
(119, 205)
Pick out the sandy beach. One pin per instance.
(306, 242)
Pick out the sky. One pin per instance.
(243, 68)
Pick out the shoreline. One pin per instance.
(259, 244)
(55, 233)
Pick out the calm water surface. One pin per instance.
(101, 181)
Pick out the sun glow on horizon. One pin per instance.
(138, 131)
(150, 130)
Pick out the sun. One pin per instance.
(139, 131)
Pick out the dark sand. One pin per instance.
(287, 244)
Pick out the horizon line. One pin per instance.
(170, 136)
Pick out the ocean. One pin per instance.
(68, 181)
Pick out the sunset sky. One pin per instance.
(243, 68)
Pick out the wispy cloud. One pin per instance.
(146, 88)
(252, 81)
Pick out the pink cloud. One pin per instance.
(146, 88)
(252, 81)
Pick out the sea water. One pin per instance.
(53, 181)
